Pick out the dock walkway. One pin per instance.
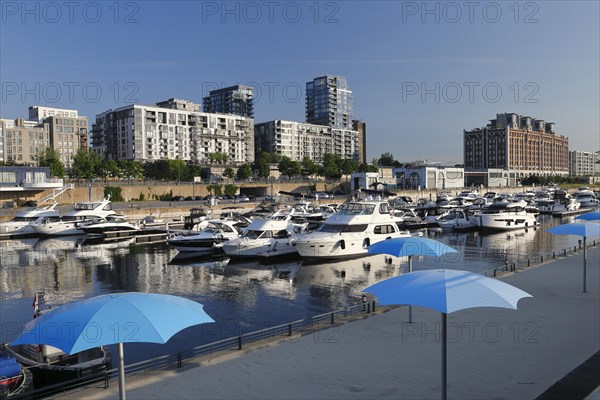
(492, 353)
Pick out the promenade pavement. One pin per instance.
(492, 353)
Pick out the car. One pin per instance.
(322, 195)
(30, 203)
(178, 198)
(242, 198)
(269, 198)
(190, 198)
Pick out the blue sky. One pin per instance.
(421, 72)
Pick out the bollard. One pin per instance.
(289, 329)
(494, 272)
(541, 259)
(239, 342)
(528, 263)
(565, 250)
(368, 308)
(574, 249)
(553, 255)
(373, 305)
(332, 318)
(179, 360)
(514, 267)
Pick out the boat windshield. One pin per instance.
(333, 228)
(356, 209)
(252, 234)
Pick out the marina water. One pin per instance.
(240, 296)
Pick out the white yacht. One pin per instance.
(111, 223)
(457, 219)
(264, 238)
(506, 216)
(587, 200)
(71, 223)
(350, 231)
(562, 202)
(210, 239)
(21, 223)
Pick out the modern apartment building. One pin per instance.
(22, 141)
(582, 163)
(236, 100)
(67, 136)
(361, 128)
(512, 147)
(329, 102)
(297, 140)
(173, 129)
(39, 113)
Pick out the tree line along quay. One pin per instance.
(89, 166)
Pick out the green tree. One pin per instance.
(230, 190)
(386, 160)
(347, 166)
(331, 169)
(228, 173)
(131, 169)
(51, 158)
(244, 172)
(367, 168)
(107, 169)
(84, 164)
(309, 167)
(261, 164)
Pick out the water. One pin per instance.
(241, 297)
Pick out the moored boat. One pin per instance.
(505, 216)
(111, 223)
(349, 232)
(210, 239)
(71, 223)
(21, 224)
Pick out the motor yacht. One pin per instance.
(264, 238)
(111, 223)
(505, 216)
(349, 232)
(71, 223)
(208, 240)
(457, 219)
(561, 202)
(587, 200)
(21, 224)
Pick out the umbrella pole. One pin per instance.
(584, 265)
(121, 372)
(444, 358)
(410, 307)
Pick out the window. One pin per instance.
(383, 229)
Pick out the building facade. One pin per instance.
(582, 163)
(23, 140)
(40, 113)
(173, 130)
(329, 102)
(297, 140)
(361, 128)
(429, 177)
(67, 136)
(237, 100)
(519, 146)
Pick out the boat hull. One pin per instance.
(263, 249)
(339, 247)
(507, 222)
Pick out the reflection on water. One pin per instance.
(245, 295)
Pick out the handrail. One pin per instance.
(164, 361)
